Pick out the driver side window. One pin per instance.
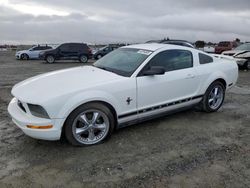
(35, 49)
(173, 60)
(64, 47)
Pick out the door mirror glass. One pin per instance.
(154, 70)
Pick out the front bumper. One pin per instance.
(22, 119)
(18, 56)
(240, 61)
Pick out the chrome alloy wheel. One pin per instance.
(215, 97)
(90, 127)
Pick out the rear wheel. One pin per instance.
(89, 124)
(50, 59)
(83, 59)
(213, 98)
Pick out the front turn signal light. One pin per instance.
(39, 127)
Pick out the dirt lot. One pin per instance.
(188, 149)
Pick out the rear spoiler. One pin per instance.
(224, 57)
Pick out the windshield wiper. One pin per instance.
(107, 69)
(103, 68)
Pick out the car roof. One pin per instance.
(156, 46)
(73, 43)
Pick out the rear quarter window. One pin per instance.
(78, 47)
(205, 59)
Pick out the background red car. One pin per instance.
(224, 46)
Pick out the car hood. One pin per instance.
(21, 51)
(48, 86)
(233, 52)
(243, 54)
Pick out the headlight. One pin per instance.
(38, 111)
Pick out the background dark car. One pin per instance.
(224, 46)
(68, 51)
(105, 50)
(173, 41)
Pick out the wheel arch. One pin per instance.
(105, 103)
(24, 53)
(50, 54)
(223, 81)
(219, 79)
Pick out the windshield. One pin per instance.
(32, 48)
(123, 61)
(103, 48)
(244, 47)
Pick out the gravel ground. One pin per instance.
(187, 149)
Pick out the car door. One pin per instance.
(105, 51)
(76, 50)
(179, 82)
(64, 51)
(34, 52)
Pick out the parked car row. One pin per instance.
(66, 51)
(82, 52)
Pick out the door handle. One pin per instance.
(190, 76)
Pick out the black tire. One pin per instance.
(99, 56)
(245, 66)
(24, 57)
(83, 59)
(50, 59)
(204, 104)
(68, 126)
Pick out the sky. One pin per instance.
(129, 21)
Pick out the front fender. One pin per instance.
(86, 97)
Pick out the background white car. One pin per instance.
(240, 49)
(129, 85)
(241, 55)
(32, 53)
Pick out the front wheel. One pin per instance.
(89, 124)
(214, 97)
(24, 57)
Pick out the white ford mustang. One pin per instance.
(131, 84)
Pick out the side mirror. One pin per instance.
(154, 70)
